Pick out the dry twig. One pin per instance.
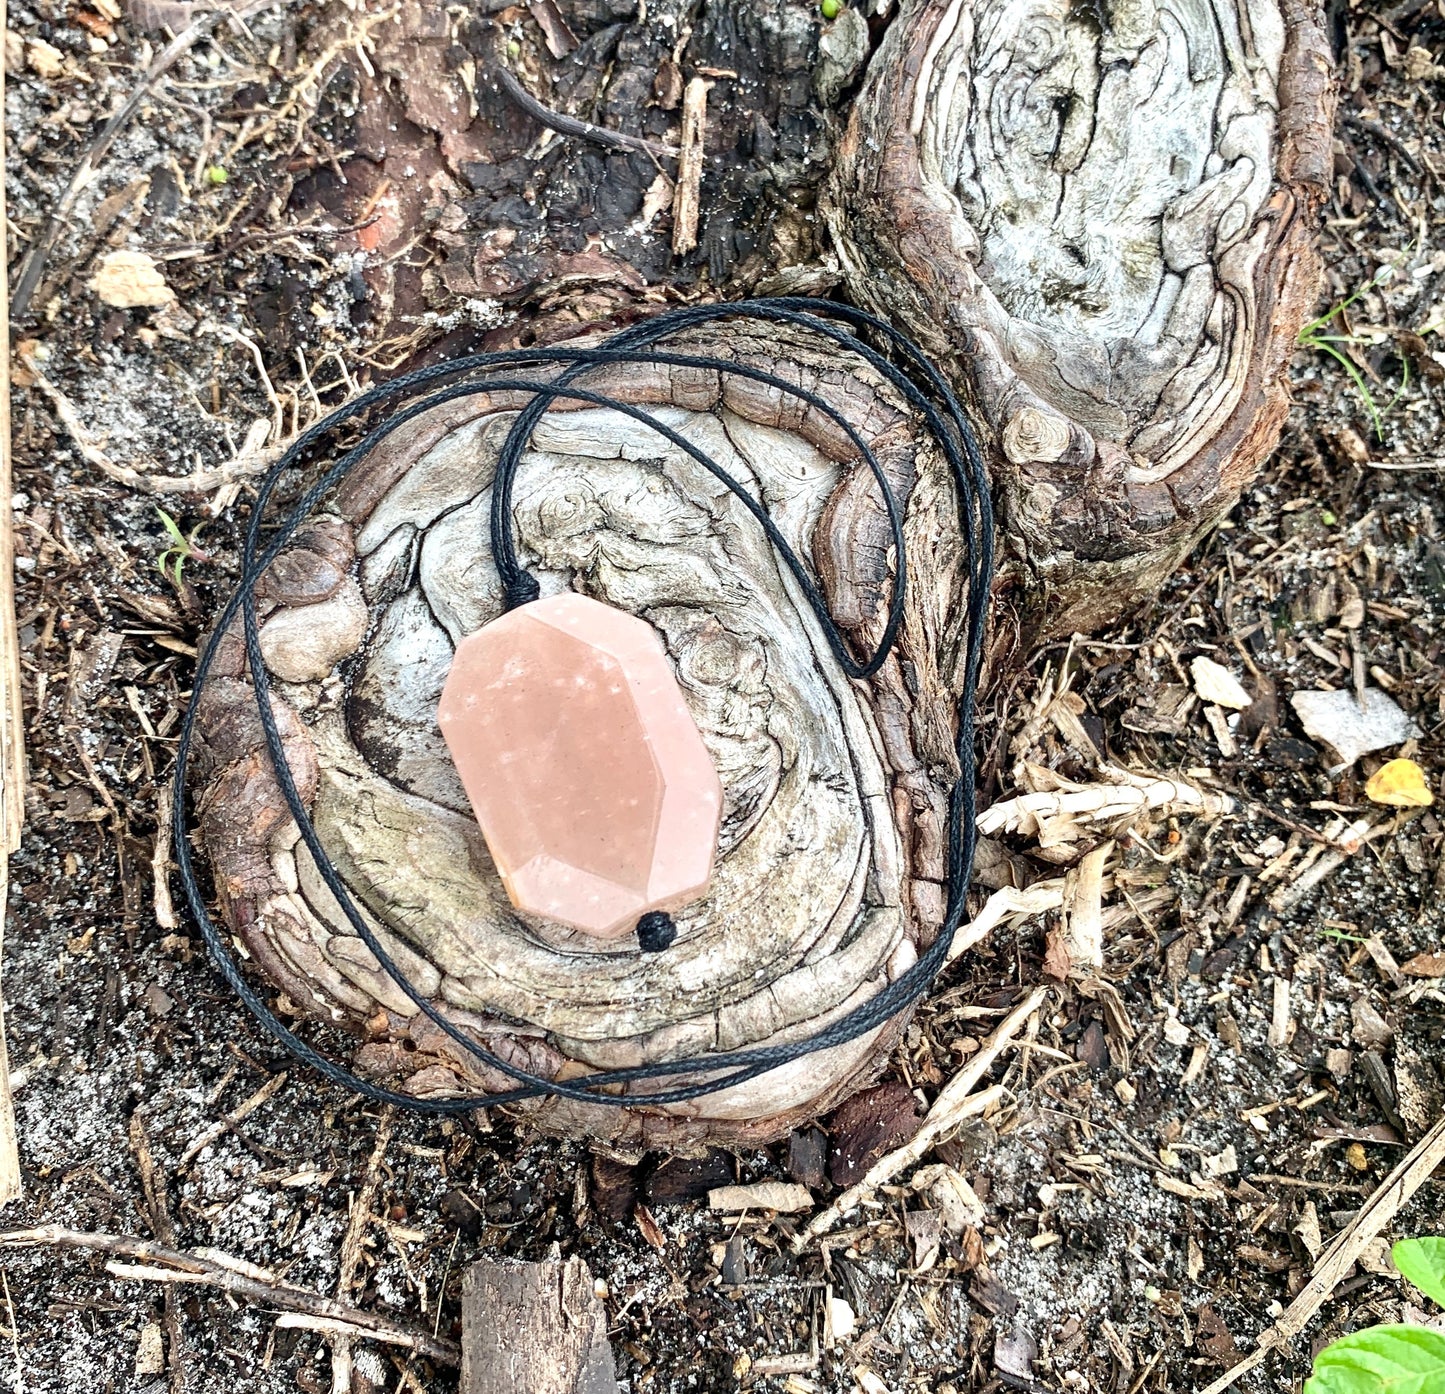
(244, 466)
(687, 194)
(955, 1102)
(570, 125)
(1349, 1244)
(158, 1264)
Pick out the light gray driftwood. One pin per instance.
(1102, 217)
(830, 871)
(534, 1328)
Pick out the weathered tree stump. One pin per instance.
(1102, 216)
(1097, 218)
(830, 866)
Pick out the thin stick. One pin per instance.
(570, 125)
(12, 720)
(356, 1227)
(1349, 1244)
(154, 1188)
(224, 1125)
(155, 1263)
(954, 1103)
(687, 194)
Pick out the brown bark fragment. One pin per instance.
(536, 1327)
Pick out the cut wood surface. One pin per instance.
(830, 871)
(1103, 219)
(1101, 227)
(534, 1328)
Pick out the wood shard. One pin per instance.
(786, 1197)
(534, 1327)
(685, 200)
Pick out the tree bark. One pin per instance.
(1098, 219)
(534, 1328)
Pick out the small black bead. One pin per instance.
(655, 931)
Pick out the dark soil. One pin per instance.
(1087, 1273)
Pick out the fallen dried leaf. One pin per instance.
(1425, 966)
(952, 1195)
(651, 1230)
(1400, 784)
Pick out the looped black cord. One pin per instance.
(485, 373)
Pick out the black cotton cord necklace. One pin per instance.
(930, 396)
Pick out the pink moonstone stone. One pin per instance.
(593, 788)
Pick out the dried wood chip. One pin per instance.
(1084, 925)
(1279, 1018)
(1215, 683)
(868, 1125)
(1424, 966)
(1383, 959)
(130, 280)
(534, 1326)
(1353, 728)
(1369, 1029)
(43, 59)
(786, 1197)
(1212, 1336)
(150, 1356)
(685, 206)
(555, 29)
(1223, 736)
(991, 1294)
(808, 1157)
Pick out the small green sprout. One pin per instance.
(1314, 336)
(1328, 518)
(217, 174)
(183, 547)
(1391, 1359)
(830, 8)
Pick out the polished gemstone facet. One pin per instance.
(586, 771)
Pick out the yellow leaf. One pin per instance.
(1401, 784)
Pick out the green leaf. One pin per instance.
(1382, 1360)
(1422, 1261)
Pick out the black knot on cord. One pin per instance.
(522, 591)
(656, 931)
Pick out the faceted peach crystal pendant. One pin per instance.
(593, 788)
